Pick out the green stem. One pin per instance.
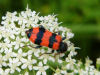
(52, 68)
(34, 72)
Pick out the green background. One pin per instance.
(81, 16)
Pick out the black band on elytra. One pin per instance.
(39, 36)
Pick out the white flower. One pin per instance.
(71, 63)
(18, 43)
(88, 62)
(83, 72)
(20, 19)
(58, 72)
(13, 66)
(20, 55)
(41, 69)
(1, 60)
(26, 73)
(4, 72)
(96, 72)
(21, 30)
(4, 46)
(69, 35)
(9, 34)
(60, 61)
(98, 61)
(35, 51)
(46, 57)
(28, 63)
(1, 32)
(8, 54)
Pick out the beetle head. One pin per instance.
(28, 32)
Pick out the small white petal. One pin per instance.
(68, 66)
(12, 71)
(52, 59)
(19, 63)
(34, 61)
(60, 61)
(38, 73)
(23, 66)
(46, 67)
(1, 71)
(24, 54)
(3, 17)
(36, 54)
(14, 54)
(18, 69)
(40, 64)
(23, 33)
(7, 71)
(45, 61)
(21, 44)
(44, 73)
(12, 36)
(20, 51)
(4, 64)
(35, 67)
(64, 72)
(70, 35)
(16, 47)
(30, 52)
(23, 60)
(30, 67)
(29, 57)
(26, 73)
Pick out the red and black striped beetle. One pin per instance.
(43, 37)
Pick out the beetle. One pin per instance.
(43, 37)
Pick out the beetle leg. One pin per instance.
(56, 54)
(33, 47)
(63, 38)
(41, 26)
(57, 32)
(38, 46)
(48, 53)
(28, 45)
(52, 51)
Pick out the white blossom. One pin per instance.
(28, 63)
(14, 65)
(98, 61)
(41, 69)
(26, 73)
(4, 72)
(18, 43)
(58, 72)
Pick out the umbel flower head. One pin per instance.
(17, 57)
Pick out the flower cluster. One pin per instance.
(17, 57)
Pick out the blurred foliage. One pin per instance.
(82, 16)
